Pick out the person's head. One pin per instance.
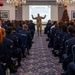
(9, 24)
(49, 21)
(38, 14)
(64, 28)
(26, 22)
(71, 23)
(24, 27)
(70, 29)
(74, 31)
(14, 28)
(55, 22)
(31, 21)
(9, 30)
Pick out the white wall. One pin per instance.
(11, 10)
(25, 12)
(70, 8)
(54, 12)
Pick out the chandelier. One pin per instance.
(65, 2)
(16, 2)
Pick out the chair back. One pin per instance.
(66, 45)
(1, 51)
(24, 40)
(73, 52)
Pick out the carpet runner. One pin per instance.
(40, 61)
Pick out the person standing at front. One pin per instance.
(39, 23)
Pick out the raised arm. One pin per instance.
(33, 17)
(43, 17)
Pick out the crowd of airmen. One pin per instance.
(61, 37)
(16, 38)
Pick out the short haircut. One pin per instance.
(70, 28)
(9, 29)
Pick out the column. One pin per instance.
(60, 12)
(18, 13)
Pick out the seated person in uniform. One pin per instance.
(29, 39)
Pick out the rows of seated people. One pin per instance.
(61, 37)
(15, 42)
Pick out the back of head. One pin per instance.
(14, 28)
(71, 23)
(55, 22)
(64, 28)
(38, 14)
(70, 29)
(9, 29)
(24, 27)
(9, 24)
(31, 21)
(74, 30)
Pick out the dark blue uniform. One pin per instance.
(16, 50)
(1, 70)
(6, 52)
(20, 42)
(31, 27)
(29, 39)
(69, 44)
